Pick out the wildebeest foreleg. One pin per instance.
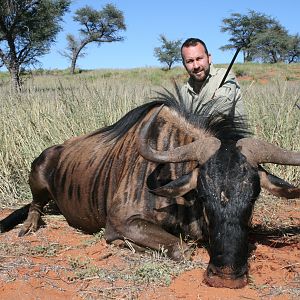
(149, 235)
(33, 220)
(40, 189)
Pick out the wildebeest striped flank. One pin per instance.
(159, 174)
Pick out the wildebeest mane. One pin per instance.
(118, 129)
(214, 117)
(220, 122)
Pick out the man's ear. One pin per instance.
(209, 58)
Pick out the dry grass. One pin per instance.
(55, 107)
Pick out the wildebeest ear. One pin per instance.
(179, 186)
(277, 186)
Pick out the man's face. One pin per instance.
(196, 62)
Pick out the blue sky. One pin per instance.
(176, 19)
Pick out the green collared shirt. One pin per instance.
(223, 97)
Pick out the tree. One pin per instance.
(244, 29)
(27, 30)
(293, 53)
(169, 52)
(98, 26)
(271, 45)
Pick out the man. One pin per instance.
(202, 89)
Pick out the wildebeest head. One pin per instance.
(227, 181)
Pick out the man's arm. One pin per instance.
(230, 94)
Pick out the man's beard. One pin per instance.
(202, 79)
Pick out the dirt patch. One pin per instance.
(59, 262)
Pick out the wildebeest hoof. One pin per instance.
(128, 244)
(31, 224)
(181, 252)
(118, 243)
(27, 229)
(22, 232)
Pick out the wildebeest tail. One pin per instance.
(15, 218)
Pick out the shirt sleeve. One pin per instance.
(230, 94)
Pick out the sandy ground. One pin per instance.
(59, 262)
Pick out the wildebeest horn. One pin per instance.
(258, 151)
(200, 150)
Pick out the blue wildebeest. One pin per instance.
(157, 174)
